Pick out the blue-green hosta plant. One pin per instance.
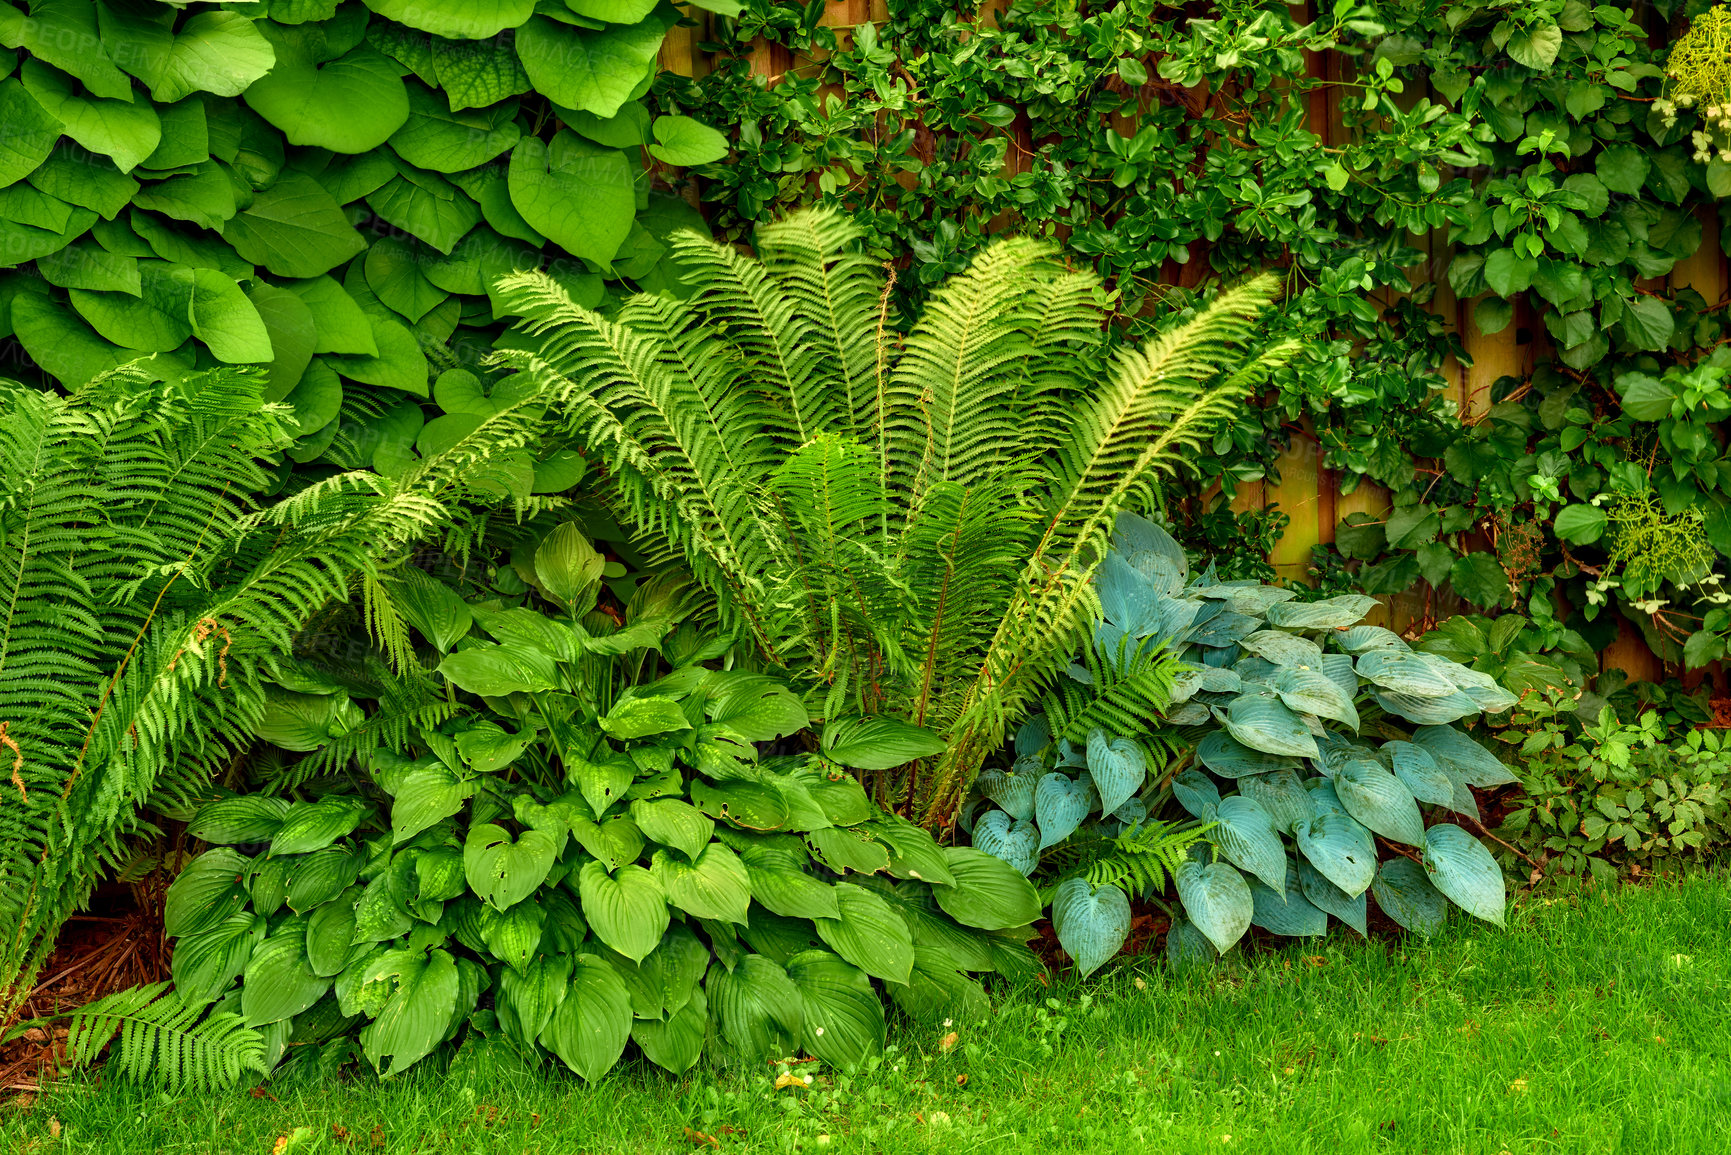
(1311, 739)
(587, 833)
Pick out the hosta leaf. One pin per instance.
(1461, 868)
(330, 935)
(1404, 672)
(503, 871)
(1195, 792)
(1091, 925)
(1187, 946)
(1218, 901)
(527, 999)
(627, 910)
(1012, 789)
(1229, 758)
(1329, 898)
(1283, 649)
(1312, 691)
(1225, 628)
(869, 934)
(1455, 750)
(878, 743)
(415, 1019)
(1289, 913)
(1118, 768)
(1340, 848)
(1263, 722)
(716, 886)
(1281, 794)
(1461, 800)
(424, 798)
(1244, 833)
(988, 893)
(247, 818)
(1361, 639)
(674, 823)
(1328, 614)
(591, 1025)
(644, 717)
(757, 709)
(1405, 894)
(939, 991)
(318, 877)
(1060, 804)
(676, 1043)
(759, 1009)
(313, 825)
(206, 964)
(1419, 773)
(1016, 843)
(844, 1019)
(1426, 711)
(513, 936)
(779, 883)
(279, 983)
(1378, 800)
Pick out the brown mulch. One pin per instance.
(116, 945)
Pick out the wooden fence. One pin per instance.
(1306, 492)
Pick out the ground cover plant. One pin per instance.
(1580, 1030)
(1263, 690)
(904, 522)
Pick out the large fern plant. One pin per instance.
(911, 519)
(143, 593)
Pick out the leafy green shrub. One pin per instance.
(1264, 687)
(1604, 796)
(145, 593)
(327, 187)
(906, 523)
(587, 830)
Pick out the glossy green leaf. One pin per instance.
(589, 1028)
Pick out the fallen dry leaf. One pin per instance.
(53, 1127)
(948, 1041)
(790, 1080)
(699, 1139)
(1518, 1086)
(961, 1080)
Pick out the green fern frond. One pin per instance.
(163, 1039)
(1140, 861)
(1126, 692)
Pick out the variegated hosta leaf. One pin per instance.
(1263, 722)
(1325, 896)
(1360, 639)
(1195, 792)
(1405, 894)
(1217, 899)
(1230, 758)
(1419, 773)
(1017, 843)
(1329, 614)
(1453, 749)
(1404, 672)
(1341, 848)
(1378, 800)
(1464, 870)
(1281, 794)
(1288, 913)
(1244, 833)
(1118, 768)
(1426, 711)
(1310, 691)
(1284, 649)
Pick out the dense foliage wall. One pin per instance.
(1489, 182)
(326, 187)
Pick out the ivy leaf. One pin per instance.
(1536, 47)
(1580, 524)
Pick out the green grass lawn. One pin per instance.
(1597, 1023)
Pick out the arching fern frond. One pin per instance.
(1139, 861)
(192, 1048)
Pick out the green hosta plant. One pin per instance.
(906, 522)
(1313, 738)
(590, 833)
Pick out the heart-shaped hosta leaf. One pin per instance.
(1263, 722)
(589, 1028)
(988, 894)
(1149, 548)
(1329, 614)
(330, 934)
(1289, 914)
(1017, 843)
(1195, 792)
(502, 870)
(757, 1006)
(1311, 691)
(206, 964)
(1187, 947)
(1230, 758)
(1403, 672)
(1091, 924)
(938, 991)
(1426, 711)
(527, 1000)
(1283, 649)
(1378, 800)
(418, 1014)
(1060, 804)
(1279, 793)
(1210, 678)
(1419, 772)
(1464, 870)
(424, 798)
(1033, 736)
(318, 877)
(1244, 832)
(1339, 847)
(1329, 898)
(627, 911)
(1323, 799)
(1454, 750)
(279, 983)
(716, 886)
(1217, 899)
(315, 825)
(1118, 768)
(1361, 639)
(1223, 629)
(1340, 671)
(869, 934)
(1405, 894)
(1133, 810)
(248, 818)
(513, 936)
(1254, 672)
(1012, 789)
(675, 1043)
(1335, 750)
(674, 823)
(844, 1018)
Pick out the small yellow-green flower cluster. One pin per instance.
(1698, 72)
